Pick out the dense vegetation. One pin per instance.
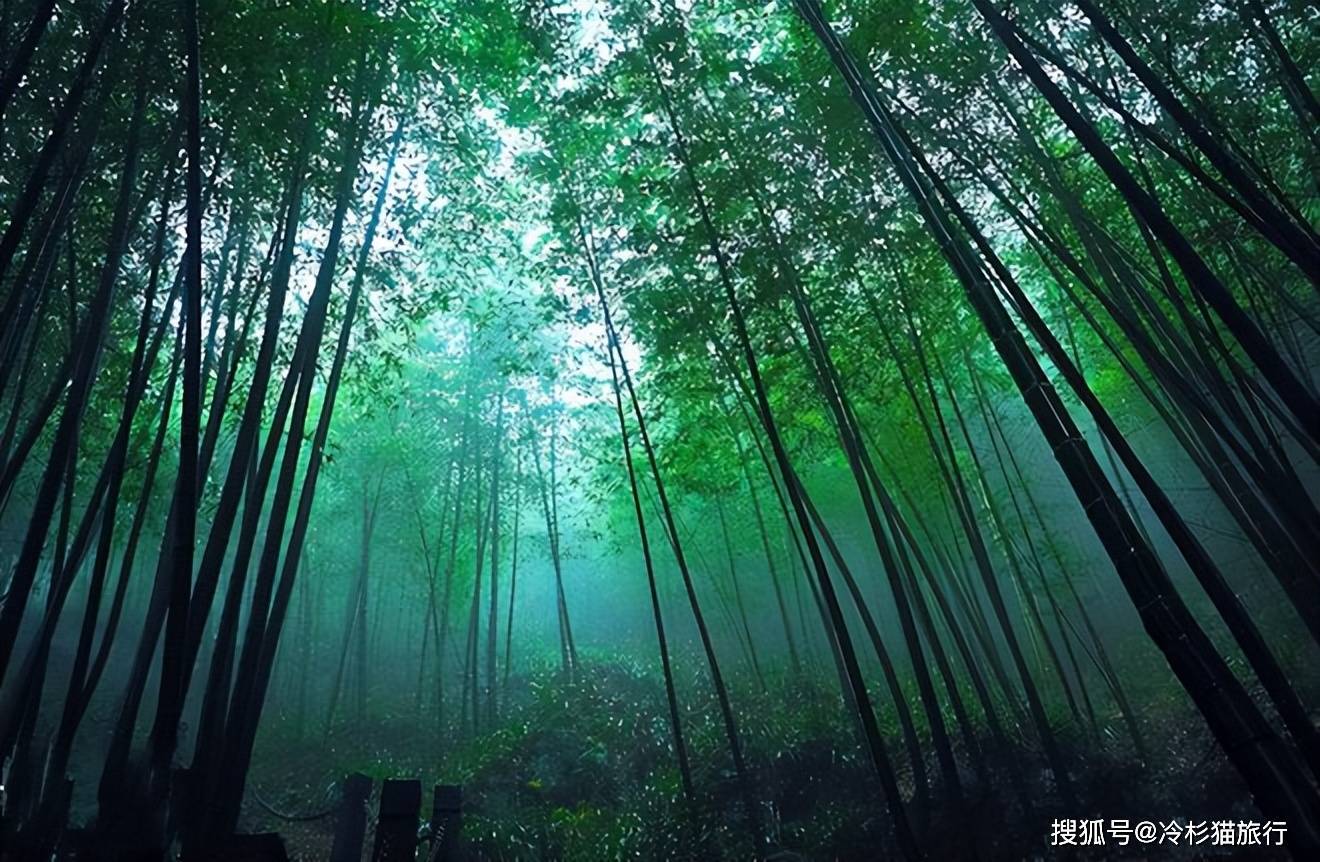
(704, 430)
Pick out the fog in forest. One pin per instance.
(629, 430)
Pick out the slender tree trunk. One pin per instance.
(245, 721)
(64, 445)
(1278, 784)
(1194, 268)
(169, 708)
(906, 840)
(26, 202)
(513, 570)
(492, 619)
(21, 57)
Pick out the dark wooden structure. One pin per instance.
(351, 821)
(446, 823)
(262, 847)
(397, 836)
(80, 845)
(396, 828)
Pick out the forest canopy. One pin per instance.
(700, 430)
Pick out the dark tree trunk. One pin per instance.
(26, 202)
(1278, 785)
(611, 346)
(880, 758)
(87, 355)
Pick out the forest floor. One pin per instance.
(583, 770)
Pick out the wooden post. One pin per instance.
(87, 845)
(351, 822)
(261, 847)
(446, 823)
(396, 830)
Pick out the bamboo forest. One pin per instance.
(659, 430)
